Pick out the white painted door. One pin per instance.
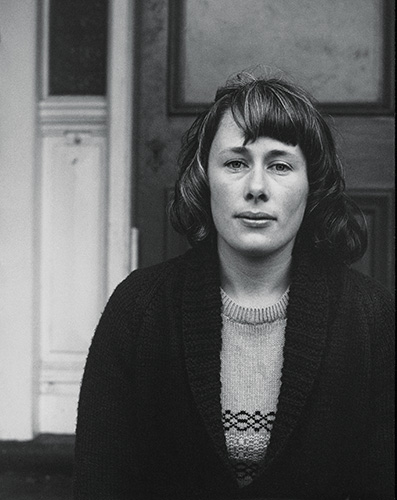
(85, 234)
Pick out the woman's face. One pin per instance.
(258, 192)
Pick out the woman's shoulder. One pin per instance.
(154, 275)
(137, 290)
(366, 287)
(365, 294)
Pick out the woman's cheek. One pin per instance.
(296, 200)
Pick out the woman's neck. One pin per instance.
(254, 281)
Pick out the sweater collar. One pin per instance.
(305, 339)
(307, 317)
(253, 315)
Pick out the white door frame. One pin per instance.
(122, 241)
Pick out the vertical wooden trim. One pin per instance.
(120, 120)
(44, 48)
(176, 57)
(389, 55)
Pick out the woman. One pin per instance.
(258, 364)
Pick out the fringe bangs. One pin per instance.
(264, 110)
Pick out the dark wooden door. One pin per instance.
(366, 143)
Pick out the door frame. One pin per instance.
(58, 375)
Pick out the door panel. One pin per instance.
(366, 145)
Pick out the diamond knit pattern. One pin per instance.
(251, 362)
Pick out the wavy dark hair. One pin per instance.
(275, 108)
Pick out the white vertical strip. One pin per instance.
(44, 47)
(134, 248)
(120, 81)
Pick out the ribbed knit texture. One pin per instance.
(251, 363)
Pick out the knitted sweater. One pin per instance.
(251, 362)
(150, 421)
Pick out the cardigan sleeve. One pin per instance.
(378, 462)
(104, 466)
(109, 453)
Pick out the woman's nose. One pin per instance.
(257, 184)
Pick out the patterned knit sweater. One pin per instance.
(251, 362)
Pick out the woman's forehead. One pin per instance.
(231, 135)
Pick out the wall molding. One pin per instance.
(66, 110)
(378, 208)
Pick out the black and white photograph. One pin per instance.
(197, 234)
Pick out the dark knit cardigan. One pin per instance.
(149, 421)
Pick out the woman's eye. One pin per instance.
(235, 165)
(281, 167)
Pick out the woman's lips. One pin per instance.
(255, 219)
(255, 215)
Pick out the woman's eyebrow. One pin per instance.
(280, 152)
(273, 153)
(236, 149)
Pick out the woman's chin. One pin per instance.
(262, 249)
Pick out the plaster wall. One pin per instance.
(17, 215)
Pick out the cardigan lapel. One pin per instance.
(202, 326)
(307, 318)
(305, 339)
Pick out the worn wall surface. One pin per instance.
(331, 48)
